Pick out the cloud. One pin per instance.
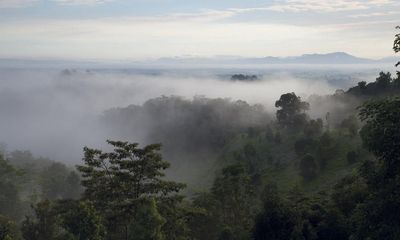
(205, 15)
(133, 38)
(376, 14)
(327, 5)
(81, 2)
(202, 33)
(17, 3)
(29, 3)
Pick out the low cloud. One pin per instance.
(17, 3)
(55, 114)
(327, 5)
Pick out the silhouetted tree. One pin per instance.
(384, 80)
(362, 85)
(396, 44)
(292, 110)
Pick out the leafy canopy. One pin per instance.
(291, 112)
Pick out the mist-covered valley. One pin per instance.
(230, 138)
(55, 112)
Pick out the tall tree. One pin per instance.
(120, 181)
(396, 44)
(378, 217)
(292, 110)
(396, 48)
(235, 198)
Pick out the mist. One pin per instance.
(55, 113)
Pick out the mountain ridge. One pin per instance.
(311, 58)
(341, 58)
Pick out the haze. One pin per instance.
(141, 29)
(54, 112)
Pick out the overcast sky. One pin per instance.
(147, 29)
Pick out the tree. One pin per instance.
(308, 167)
(277, 221)
(396, 48)
(251, 158)
(348, 193)
(8, 229)
(384, 80)
(44, 224)
(362, 85)
(81, 219)
(291, 112)
(206, 223)
(351, 125)
(396, 44)
(52, 181)
(178, 215)
(9, 195)
(314, 127)
(119, 182)
(148, 222)
(380, 134)
(326, 149)
(304, 146)
(378, 216)
(73, 187)
(235, 199)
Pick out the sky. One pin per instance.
(151, 29)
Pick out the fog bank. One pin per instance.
(55, 113)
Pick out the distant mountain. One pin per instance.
(328, 58)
